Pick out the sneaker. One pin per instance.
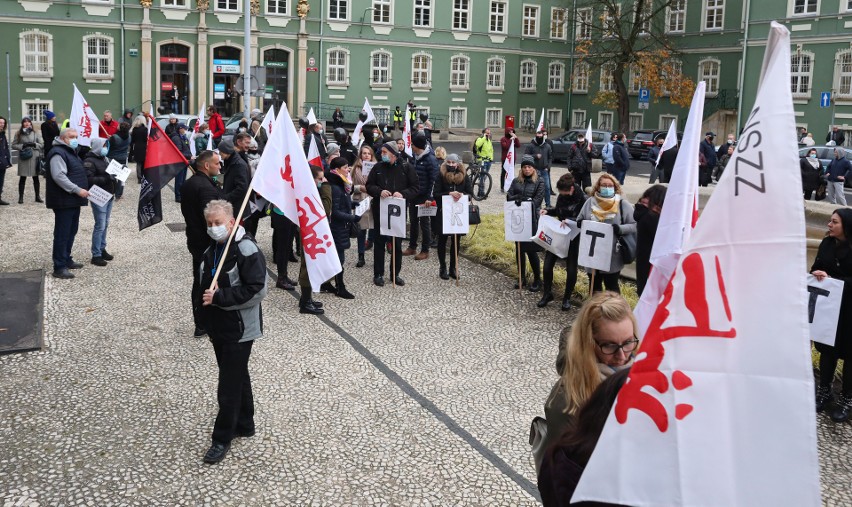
(199, 332)
(421, 256)
(823, 398)
(99, 261)
(408, 251)
(107, 256)
(842, 408)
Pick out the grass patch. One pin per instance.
(488, 247)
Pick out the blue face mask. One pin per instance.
(319, 184)
(73, 144)
(385, 158)
(104, 151)
(607, 191)
(812, 155)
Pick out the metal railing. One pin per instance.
(350, 114)
(725, 99)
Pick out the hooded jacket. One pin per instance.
(535, 149)
(505, 143)
(96, 166)
(426, 166)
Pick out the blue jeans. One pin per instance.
(101, 214)
(362, 241)
(66, 221)
(619, 174)
(544, 175)
(180, 177)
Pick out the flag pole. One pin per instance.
(520, 283)
(456, 248)
(393, 261)
(592, 282)
(230, 238)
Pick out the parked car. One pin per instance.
(563, 142)
(188, 119)
(825, 154)
(640, 141)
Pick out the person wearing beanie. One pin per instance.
(452, 181)
(341, 219)
(426, 166)
(528, 186)
(172, 127)
(49, 128)
(392, 177)
(96, 163)
(332, 152)
(236, 171)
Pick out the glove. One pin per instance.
(517, 202)
(616, 229)
(580, 223)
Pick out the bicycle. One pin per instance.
(481, 181)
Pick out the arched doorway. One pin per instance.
(226, 71)
(174, 78)
(277, 63)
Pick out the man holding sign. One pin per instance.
(455, 189)
(391, 177)
(96, 165)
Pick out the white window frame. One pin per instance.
(523, 114)
(845, 6)
(645, 28)
(346, 5)
(498, 16)
(666, 119)
(606, 71)
(459, 12)
(584, 24)
(25, 109)
(605, 22)
(379, 7)
(558, 22)
(529, 20)
(582, 122)
(601, 116)
(36, 75)
(110, 44)
(532, 78)
(675, 63)
(791, 8)
(492, 110)
(501, 74)
(633, 126)
(382, 114)
(680, 19)
(553, 123)
(378, 84)
(238, 3)
(270, 12)
(328, 74)
(581, 69)
(459, 125)
(843, 79)
(701, 75)
(175, 4)
(718, 11)
(425, 6)
(556, 79)
(418, 85)
(634, 80)
(796, 72)
(464, 82)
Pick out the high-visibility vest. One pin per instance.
(397, 115)
(413, 115)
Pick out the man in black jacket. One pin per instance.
(236, 171)
(835, 135)
(667, 163)
(392, 177)
(426, 166)
(197, 192)
(315, 131)
(580, 160)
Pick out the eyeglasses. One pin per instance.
(611, 348)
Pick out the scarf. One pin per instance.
(347, 183)
(605, 370)
(604, 208)
(452, 177)
(814, 162)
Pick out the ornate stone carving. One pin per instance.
(255, 7)
(202, 5)
(303, 9)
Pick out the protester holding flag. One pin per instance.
(96, 163)
(667, 163)
(528, 186)
(232, 313)
(453, 181)
(315, 132)
(580, 160)
(541, 154)
(568, 205)
(647, 216)
(359, 193)
(341, 218)
(66, 193)
(608, 205)
(508, 139)
(653, 156)
(834, 260)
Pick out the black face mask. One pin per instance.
(452, 168)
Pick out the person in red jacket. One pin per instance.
(108, 126)
(505, 143)
(217, 126)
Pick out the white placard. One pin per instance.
(426, 211)
(572, 227)
(99, 196)
(121, 172)
(824, 308)
(517, 221)
(454, 214)
(363, 206)
(553, 236)
(596, 240)
(366, 167)
(392, 217)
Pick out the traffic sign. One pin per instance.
(643, 105)
(644, 95)
(825, 99)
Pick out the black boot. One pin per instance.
(341, 287)
(566, 305)
(842, 408)
(442, 272)
(361, 261)
(22, 182)
(306, 305)
(328, 287)
(37, 186)
(547, 297)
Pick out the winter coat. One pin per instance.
(171, 129)
(195, 193)
(49, 132)
(119, 147)
(235, 315)
(139, 136)
(108, 129)
(835, 258)
(707, 149)
(200, 143)
(647, 221)
(217, 126)
(505, 143)
(447, 182)
(28, 168)
(337, 119)
(837, 167)
(182, 144)
(320, 140)
(5, 154)
(426, 166)
(580, 160)
(540, 152)
(837, 137)
(652, 154)
(341, 216)
(64, 178)
(667, 162)
(723, 150)
(359, 193)
(625, 221)
(236, 182)
(568, 206)
(483, 149)
(620, 157)
(558, 479)
(397, 177)
(527, 189)
(96, 166)
(811, 176)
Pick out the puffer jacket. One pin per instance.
(426, 166)
(535, 149)
(96, 166)
(527, 189)
(341, 212)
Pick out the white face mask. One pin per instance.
(218, 233)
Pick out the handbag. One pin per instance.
(26, 153)
(473, 215)
(626, 244)
(354, 228)
(821, 191)
(41, 166)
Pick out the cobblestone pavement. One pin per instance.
(419, 395)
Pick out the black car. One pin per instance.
(640, 141)
(563, 142)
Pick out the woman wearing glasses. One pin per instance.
(602, 341)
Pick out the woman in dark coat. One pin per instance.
(452, 181)
(119, 150)
(139, 138)
(528, 187)
(337, 118)
(811, 173)
(647, 216)
(5, 156)
(834, 260)
(341, 217)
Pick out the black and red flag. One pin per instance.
(162, 162)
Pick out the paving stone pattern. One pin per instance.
(419, 395)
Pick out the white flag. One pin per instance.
(151, 118)
(509, 166)
(406, 132)
(195, 129)
(311, 117)
(670, 141)
(678, 216)
(314, 157)
(719, 407)
(540, 126)
(268, 122)
(209, 142)
(83, 119)
(284, 179)
(356, 134)
(589, 132)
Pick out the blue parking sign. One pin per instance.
(825, 99)
(644, 95)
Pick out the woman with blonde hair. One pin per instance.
(601, 342)
(359, 193)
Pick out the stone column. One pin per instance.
(300, 64)
(147, 62)
(203, 77)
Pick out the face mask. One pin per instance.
(812, 155)
(242, 129)
(215, 178)
(104, 151)
(607, 191)
(385, 158)
(73, 144)
(730, 141)
(218, 233)
(452, 168)
(319, 184)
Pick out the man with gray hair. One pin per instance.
(838, 170)
(67, 191)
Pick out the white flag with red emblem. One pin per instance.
(540, 126)
(284, 179)
(509, 166)
(406, 132)
(268, 122)
(314, 157)
(83, 119)
(719, 405)
(356, 134)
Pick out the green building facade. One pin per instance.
(468, 63)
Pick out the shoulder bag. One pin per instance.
(626, 245)
(25, 153)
